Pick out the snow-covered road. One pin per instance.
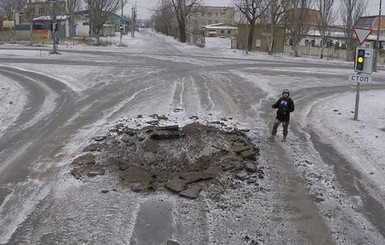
(60, 102)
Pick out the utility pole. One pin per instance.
(133, 21)
(376, 58)
(54, 27)
(121, 24)
(14, 24)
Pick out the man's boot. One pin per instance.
(272, 138)
(284, 139)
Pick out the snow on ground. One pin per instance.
(12, 101)
(221, 47)
(28, 53)
(215, 47)
(362, 141)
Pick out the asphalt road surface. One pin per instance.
(40, 202)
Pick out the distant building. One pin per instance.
(35, 9)
(220, 30)
(82, 25)
(371, 22)
(203, 16)
(262, 37)
(311, 17)
(207, 15)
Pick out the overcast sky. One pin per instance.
(146, 7)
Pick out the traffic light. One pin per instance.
(360, 60)
(54, 27)
(121, 27)
(364, 60)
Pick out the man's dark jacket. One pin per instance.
(285, 106)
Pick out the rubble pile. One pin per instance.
(183, 160)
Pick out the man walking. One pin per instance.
(285, 105)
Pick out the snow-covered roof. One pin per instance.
(47, 17)
(331, 34)
(219, 26)
(341, 35)
(374, 38)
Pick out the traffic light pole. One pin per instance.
(377, 51)
(54, 28)
(358, 66)
(357, 102)
(121, 23)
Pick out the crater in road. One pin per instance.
(182, 160)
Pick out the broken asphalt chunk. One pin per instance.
(176, 185)
(165, 135)
(249, 154)
(192, 192)
(99, 138)
(191, 177)
(168, 128)
(239, 148)
(86, 159)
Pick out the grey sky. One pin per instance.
(146, 7)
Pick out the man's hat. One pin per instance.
(285, 91)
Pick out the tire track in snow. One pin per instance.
(177, 93)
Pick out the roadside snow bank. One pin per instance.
(363, 141)
(12, 101)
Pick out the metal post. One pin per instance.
(247, 37)
(121, 23)
(133, 22)
(14, 25)
(377, 52)
(54, 49)
(357, 102)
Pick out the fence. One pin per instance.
(329, 53)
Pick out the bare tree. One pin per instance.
(275, 12)
(351, 11)
(327, 18)
(29, 14)
(72, 7)
(163, 17)
(297, 21)
(9, 6)
(252, 10)
(100, 11)
(182, 10)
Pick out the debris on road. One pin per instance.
(184, 160)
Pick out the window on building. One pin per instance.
(41, 11)
(229, 32)
(222, 32)
(209, 14)
(313, 43)
(337, 45)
